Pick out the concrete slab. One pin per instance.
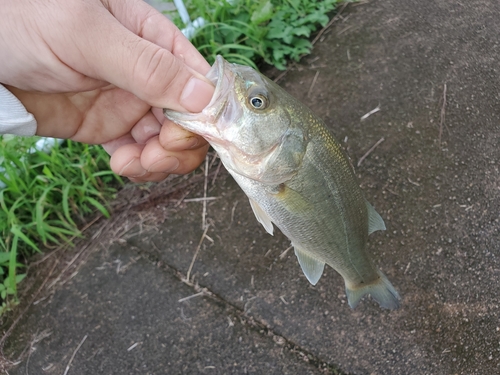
(129, 316)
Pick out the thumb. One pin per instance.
(158, 77)
(154, 74)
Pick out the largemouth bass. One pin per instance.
(295, 174)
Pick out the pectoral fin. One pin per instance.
(375, 221)
(262, 217)
(312, 268)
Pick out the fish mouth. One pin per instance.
(223, 78)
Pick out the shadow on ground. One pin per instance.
(432, 67)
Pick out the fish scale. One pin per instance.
(296, 176)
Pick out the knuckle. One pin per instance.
(155, 71)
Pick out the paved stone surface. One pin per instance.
(433, 69)
(128, 310)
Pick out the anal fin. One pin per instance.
(375, 221)
(312, 268)
(262, 217)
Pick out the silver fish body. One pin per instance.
(295, 174)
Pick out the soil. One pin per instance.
(432, 70)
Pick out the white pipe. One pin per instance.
(191, 27)
(181, 8)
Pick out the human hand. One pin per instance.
(105, 79)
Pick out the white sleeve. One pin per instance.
(14, 118)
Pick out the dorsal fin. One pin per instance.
(262, 217)
(312, 268)
(375, 221)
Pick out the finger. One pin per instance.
(191, 159)
(175, 138)
(172, 133)
(155, 158)
(146, 128)
(126, 161)
(111, 146)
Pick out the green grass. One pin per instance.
(249, 31)
(45, 200)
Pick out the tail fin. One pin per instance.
(381, 291)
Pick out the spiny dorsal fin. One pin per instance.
(262, 217)
(312, 268)
(375, 221)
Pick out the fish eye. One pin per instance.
(258, 102)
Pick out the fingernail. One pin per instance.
(133, 169)
(166, 165)
(196, 94)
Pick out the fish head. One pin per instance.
(249, 123)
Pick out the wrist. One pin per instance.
(14, 117)
(54, 113)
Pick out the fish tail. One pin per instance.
(381, 291)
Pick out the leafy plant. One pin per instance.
(247, 31)
(43, 199)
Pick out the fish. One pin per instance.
(296, 175)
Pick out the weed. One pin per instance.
(44, 198)
(249, 31)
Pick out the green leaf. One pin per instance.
(46, 171)
(20, 278)
(263, 13)
(16, 231)
(99, 206)
(65, 203)
(4, 258)
(285, 33)
(12, 267)
(302, 31)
